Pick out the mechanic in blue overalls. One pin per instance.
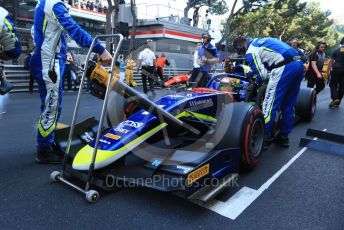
(281, 66)
(207, 56)
(11, 48)
(52, 22)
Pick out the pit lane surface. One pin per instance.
(308, 195)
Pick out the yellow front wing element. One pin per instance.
(83, 158)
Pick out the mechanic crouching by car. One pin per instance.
(11, 48)
(207, 56)
(281, 66)
(52, 22)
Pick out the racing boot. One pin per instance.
(282, 140)
(49, 156)
(334, 104)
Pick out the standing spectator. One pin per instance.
(27, 67)
(196, 66)
(121, 67)
(160, 64)
(337, 75)
(100, 7)
(47, 65)
(147, 63)
(67, 71)
(129, 72)
(317, 59)
(74, 71)
(295, 43)
(11, 48)
(207, 56)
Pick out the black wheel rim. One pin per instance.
(256, 140)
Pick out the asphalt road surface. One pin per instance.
(292, 188)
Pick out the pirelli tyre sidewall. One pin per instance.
(246, 131)
(306, 102)
(252, 137)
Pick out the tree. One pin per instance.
(314, 25)
(272, 20)
(215, 6)
(248, 5)
(285, 19)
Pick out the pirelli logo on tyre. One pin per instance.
(112, 136)
(197, 174)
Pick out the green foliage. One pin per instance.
(340, 28)
(285, 19)
(248, 6)
(217, 7)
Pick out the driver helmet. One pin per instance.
(228, 84)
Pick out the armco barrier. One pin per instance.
(20, 77)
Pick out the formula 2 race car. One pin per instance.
(191, 142)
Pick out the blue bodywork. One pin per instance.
(175, 163)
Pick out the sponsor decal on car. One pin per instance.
(121, 130)
(87, 136)
(133, 124)
(184, 168)
(207, 102)
(156, 163)
(104, 141)
(197, 174)
(112, 136)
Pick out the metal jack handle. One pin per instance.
(94, 155)
(76, 109)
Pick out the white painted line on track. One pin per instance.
(242, 199)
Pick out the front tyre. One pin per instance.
(246, 130)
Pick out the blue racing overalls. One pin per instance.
(51, 25)
(281, 65)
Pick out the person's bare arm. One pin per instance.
(329, 66)
(316, 70)
(198, 60)
(213, 60)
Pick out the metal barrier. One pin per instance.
(20, 77)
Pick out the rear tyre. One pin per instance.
(306, 104)
(246, 130)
